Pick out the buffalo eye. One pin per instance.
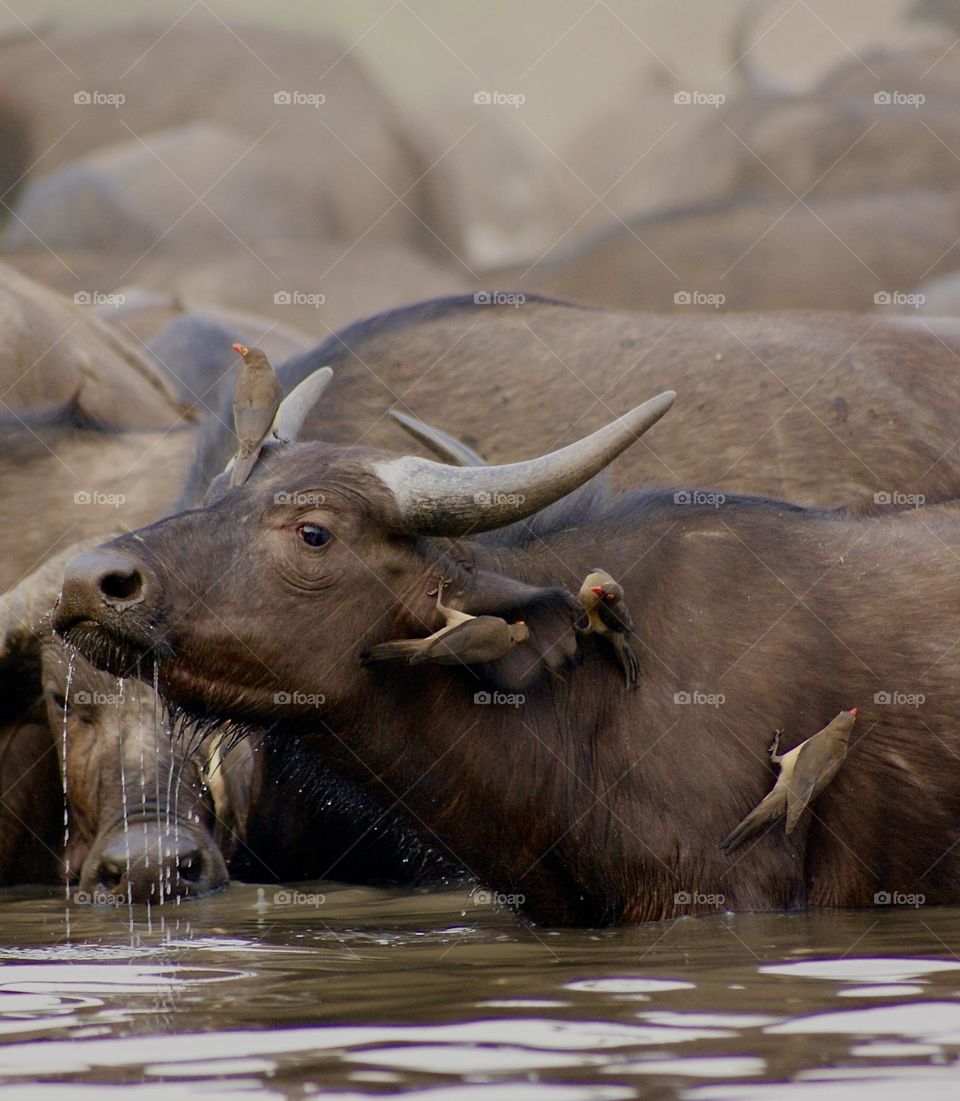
(314, 535)
(59, 701)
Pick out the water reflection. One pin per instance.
(426, 994)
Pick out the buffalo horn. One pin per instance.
(442, 444)
(434, 499)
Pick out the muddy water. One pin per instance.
(358, 993)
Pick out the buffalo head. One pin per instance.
(263, 603)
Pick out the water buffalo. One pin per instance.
(576, 799)
(301, 97)
(140, 195)
(819, 409)
(65, 481)
(57, 354)
(153, 817)
(754, 252)
(882, 119)
(138, 826)
(315, 286)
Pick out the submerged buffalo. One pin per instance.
(153, 816)
(585, 802)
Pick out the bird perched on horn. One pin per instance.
(463, 640)
(804, 773)
(255, 404)
(606, 615)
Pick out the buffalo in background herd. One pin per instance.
(184, 672)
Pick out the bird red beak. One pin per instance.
(854, 710)
(597, 590)
(241, 349)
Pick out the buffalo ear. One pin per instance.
(550, 615)
(229, 775)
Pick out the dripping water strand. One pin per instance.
(71, 668)
(166, 888)
(143, 784)
(123, 797)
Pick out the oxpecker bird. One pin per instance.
(255, 403)
(606, 614)
(804, 773)
(463, 640)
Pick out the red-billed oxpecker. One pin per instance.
(606, 615)
(255, 403)
(463, 640)
(804, 773)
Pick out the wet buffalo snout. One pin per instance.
(151, 863)
(103, 578)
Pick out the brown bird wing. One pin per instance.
(392, 651)
(816, 766)
(615, 617)
(768, 810)
(253, 413)
(482, 639)
(627, 658)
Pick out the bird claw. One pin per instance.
(774, 747)
(437, 590)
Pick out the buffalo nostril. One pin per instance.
(122, 584)
(190, 867)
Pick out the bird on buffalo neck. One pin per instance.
(606, 615)
(463, 640)
(804, 773)
(255, 403)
